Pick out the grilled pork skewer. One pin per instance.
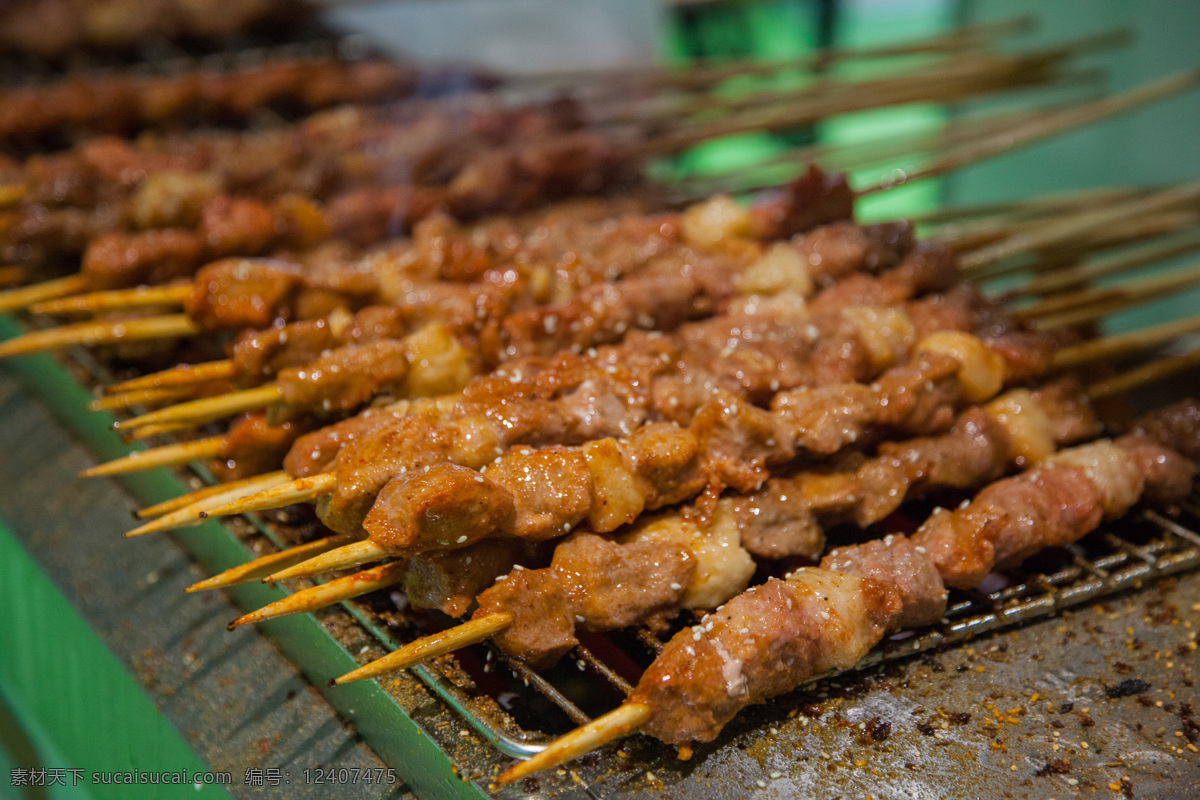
(777, 636)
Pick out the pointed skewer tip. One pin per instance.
(622, 720)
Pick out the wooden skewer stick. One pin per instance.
(1055, 202)
(167, 506)
(141, 397)
(1125, 343)
(1147, 373)
(11, 275)
(103, 332)
(701, 74)
(1082, 316)
(12, 194)
(14, 299)
(1063, 229)
(621, 721)
(167, 456)
(264, 565)
(190, 515)
(345, 557)
(1142, 255)
(299, 490)
(170, 295)
(208, 408)
(427, 647)
(851, 156)
(1088, 305)
(181, 375)
(962, 77)
(1043, 129)
(150, 431)
(1075, 244)
(335, 591)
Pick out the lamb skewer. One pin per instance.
(587, 578)
(1182, 195)
(474, 177)
(310, 487)
(125, 104)
(923, 270)
(314, 486)
(779, 635)
(51, 30)
(660, 464)
(479, 260)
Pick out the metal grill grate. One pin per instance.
(1126, 554)
(1143, 546)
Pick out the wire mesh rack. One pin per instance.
(1146, 545)
(523, 709)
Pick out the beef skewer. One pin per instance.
(783, 633)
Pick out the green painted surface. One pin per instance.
(382, 722)
(73, 702)
(1153, 145)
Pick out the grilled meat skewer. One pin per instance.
(781, 634)
(125, 104)
(772, 333)
(686, 560)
